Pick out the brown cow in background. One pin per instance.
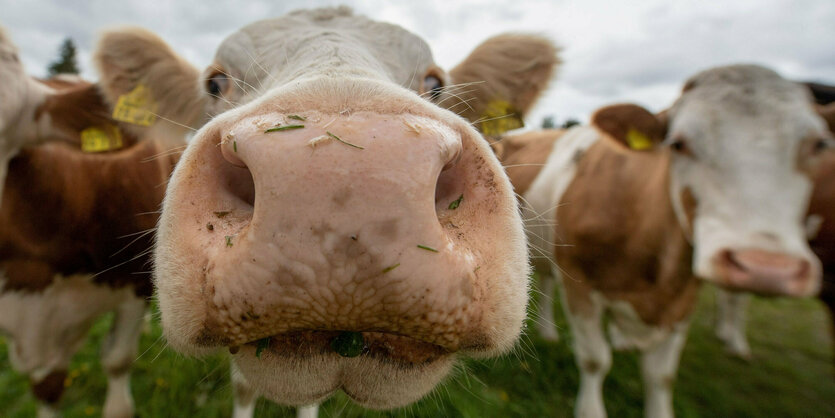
(76, 224)
(629, 212)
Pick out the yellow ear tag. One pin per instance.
(499, 117)
(100, 139)
(637, 140)
(137, 107)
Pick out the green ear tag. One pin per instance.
(348, 344)
(637, 140)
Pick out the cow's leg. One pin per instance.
(48, 391)
(245, 395)
(730, 327)
(309, 411)
(47, 411)
(659, 365)
(118, 354)
(545, 320)
(593, 356)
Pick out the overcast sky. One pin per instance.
(638, 51)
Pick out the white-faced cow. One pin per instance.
(628, 212)
(331, 227)
(731, 306)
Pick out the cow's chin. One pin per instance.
(302, 368)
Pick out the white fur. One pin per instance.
(47, 411)
(245, 397)
(20, 96)
(539, 210)
(277, 52)
(117, 356)
(659, 365)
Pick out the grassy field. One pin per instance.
(791, 375)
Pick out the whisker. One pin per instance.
(169, 151)
(495, 118)
(143, 235)
(173, 121)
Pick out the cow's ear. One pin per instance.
(501, 80)
(148, 85)
(72, 110)
(827, 112)
(631, 126)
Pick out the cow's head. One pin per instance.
(35, 111)
(332, 224)
(742, 143)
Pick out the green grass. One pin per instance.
(791, 374)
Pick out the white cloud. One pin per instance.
(613, 50)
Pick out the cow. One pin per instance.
(335, 225)
(75, 234)
(731, 306)
(46, 306)
(632, 211)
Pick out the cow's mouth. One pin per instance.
(402, 350)
(765, 273)
(375, 369)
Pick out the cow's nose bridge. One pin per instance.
(365, 155)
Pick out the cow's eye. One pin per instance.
(679, 145)
(216, 84)
(822, 144)
(432, 87)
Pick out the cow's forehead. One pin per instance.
(732, 99)
(322, 37)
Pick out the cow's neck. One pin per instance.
(628, 243)
(524, 156)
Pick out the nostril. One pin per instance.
(803, 270)
(241, 185)
(449, 189)
(236, 178)
(454, 159)
(727, 257)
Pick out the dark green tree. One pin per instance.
(570, 122)
(548, 122)
(65, 64)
